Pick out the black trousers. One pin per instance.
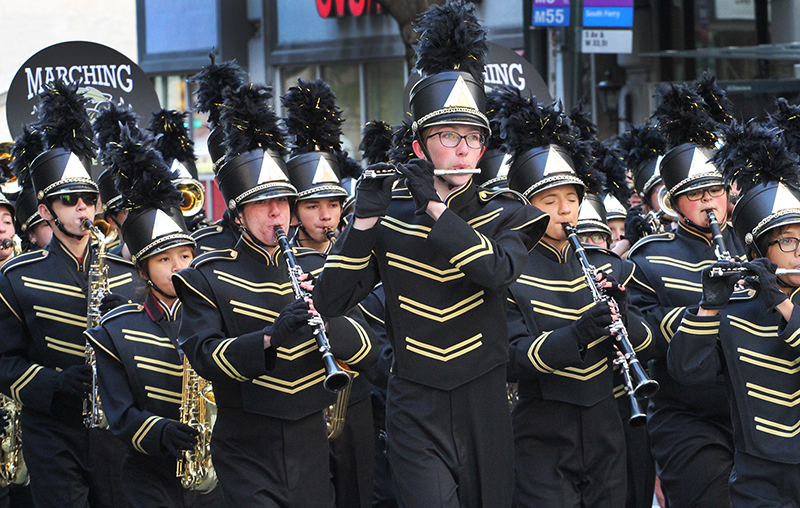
(353, 458)
(759, 483)
(641, 467)
(451, 448)
(71, 466)
(568, 456)
(272, 463)
(150, 482)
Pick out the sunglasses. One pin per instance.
(71, 200)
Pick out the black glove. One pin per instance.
(112, 301)
(765, 281)
(419, 178)
(618, 293)
(195, 222)
(592, 325)
(293, 317)
(636, 225)
(74, 380)
(373, 195)
(717, 291)
(176, 437)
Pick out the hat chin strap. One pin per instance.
(159, 290)
(58, 222)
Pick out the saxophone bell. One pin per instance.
(198, 410)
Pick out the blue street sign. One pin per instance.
(616, 17)
(550, 16)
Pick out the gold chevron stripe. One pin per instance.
(163, 391)
(165, 398)
(441, 315)
(685, 265)
(254, 287)
(119, 280)
(53, 287)
(687, 327)
(794, 339)
(60, 316)
(291, 387)
(153, 361)
(794, 364)
(415, 267)
(569, 286)
(219, 358)
(584, 374)
(142, 432)
(685, 285)
(253, 311)
(23, 381)
(770, 428)
(647, 340)
(366, 345)
(484, 219)
(771, 330)
(298, 351)
(444, 354)
(65, 347)
(753, 331)
(560, 312)
(668, 320)
(774, 396)
(346, 263)
(404, 227)
(533, 354)
(484, 248)
(146, 338)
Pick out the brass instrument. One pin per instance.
(14, 243)
(330, 234)
(103, 236)
(665, 203)
(336, 379)
(640, 385)
(199, 411)
(194, 196)
(12, 464)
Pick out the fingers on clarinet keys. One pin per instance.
(373, 195)
(593, 324)
(762, 277)
(293, 317)
(719, 281)
(74, 380)
(177, 437)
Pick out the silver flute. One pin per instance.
(392, 171)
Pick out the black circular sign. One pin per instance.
(104, 76)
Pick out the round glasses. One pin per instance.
(786, 244)
(451, 139)
(697, 194)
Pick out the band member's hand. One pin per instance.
(176, 437)
(196, 221)
(636, 225)
(717, 291)
(419, 178)
(764, 280)
(111, 301)
(592, 325)
(608, 284)
(74, 380)
(373, 195)
(293, 317)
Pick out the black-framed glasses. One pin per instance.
(451, 139)
(786, 244)
(697, 194)
(71, 200)
(595, 238)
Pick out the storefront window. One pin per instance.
(383, 80)
(345, 83)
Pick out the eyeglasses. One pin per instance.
(70, 200)
(451, 139)
(594, 238)
(786, 244)
(697, 194)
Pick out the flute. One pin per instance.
(385, 173)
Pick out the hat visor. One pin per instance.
(780, 219)
(331, 191)
(269, 190)
(556, 181)
(458, 118)
(165, 243)
(72, 187)
(700, 182)
(591, 226)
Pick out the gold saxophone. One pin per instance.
(199, 411)
(93, 415)
(12, 465)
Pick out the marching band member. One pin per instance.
(35, 232)
(139, 363)
(244, 330)
(568, 435)
(446, 250)
(753, 342)
(43, 315)
(689, 426)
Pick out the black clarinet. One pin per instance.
(638, 381)
(336, 379)
(720, 250)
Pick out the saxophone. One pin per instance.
(199, 411)
(93, 415)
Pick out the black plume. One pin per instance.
(64, 120)
(27, 147)
(754, 154)
(348, 166)
(250, 121)
(402, 151)
(451, 38)
(641, 144)
(376, 141)
(107, 127)
(171, 137)
(787, 118)
(582, 120)
(719, 106)
(609, 161)
(684, 116)
(211, 82)
(142, 176)
(312, 117)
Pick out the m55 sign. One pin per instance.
(550, 13)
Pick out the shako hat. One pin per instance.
(315, 125)
(154, 223)
(64, 167)
(451, 52)
(494, 164)
(27, 147)
(254, 168)
(642, 148)
(616, 194)
(107, 129)
(592, 217)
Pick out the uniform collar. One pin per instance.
(246, 246)
(62, 252)
(551, 253)
(158, 310)
(461, 196)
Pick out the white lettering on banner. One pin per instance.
(504, 74)
(114, 76)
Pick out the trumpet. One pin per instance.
(336, 379)
(641, 386)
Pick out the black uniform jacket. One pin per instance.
(550, 295)
(444, 280)
(43, 317)
(759, 354)
(229, 296)
(140, 371)
(222, 234)
(666, 282)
